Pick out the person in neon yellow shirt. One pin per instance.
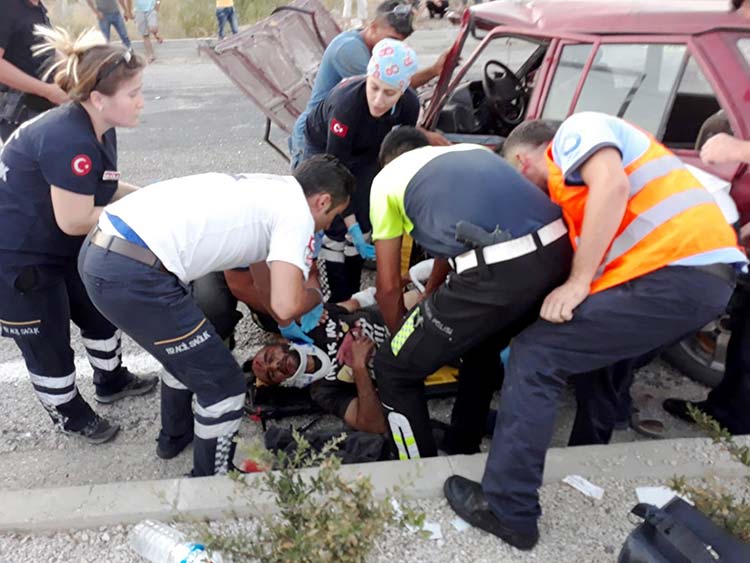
(225, 13)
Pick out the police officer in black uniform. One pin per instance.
(23, 94)
(57, 171)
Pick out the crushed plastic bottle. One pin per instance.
(159, 543)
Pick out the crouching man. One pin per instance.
(508, 248)
(654, 260)
(137, 264)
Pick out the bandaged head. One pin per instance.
(393, 62)
(301, 378)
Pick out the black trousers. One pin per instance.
(212, 295)
(37, 303)
(472, 316)
(626, 321)
(729, 402)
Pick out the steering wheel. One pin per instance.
(505, 93)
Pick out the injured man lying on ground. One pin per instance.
(337, 365)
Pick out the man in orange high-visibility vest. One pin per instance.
(654, 259)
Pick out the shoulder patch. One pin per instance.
(338, 128)
(81, 165)
(570, 143)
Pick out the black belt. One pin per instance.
(726, 272)
(126, 248)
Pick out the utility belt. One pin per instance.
(17, 107)
(126, 248)
(511, 249)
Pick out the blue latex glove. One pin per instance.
(311, 319)
(318, 244)
(294, 333)
(366, 251)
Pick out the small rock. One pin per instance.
(105, 537)
(609, 549)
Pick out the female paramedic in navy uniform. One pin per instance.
(350, 124)
(57, 171)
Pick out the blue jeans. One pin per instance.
(114, 19)
(224, 15)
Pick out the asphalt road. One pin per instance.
(194, 121)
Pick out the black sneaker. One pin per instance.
(97, 431)
(467, 500)
(137, 385)
(168, 447)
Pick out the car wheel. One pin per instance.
(701, 356)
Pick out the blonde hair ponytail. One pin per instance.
(79, 63)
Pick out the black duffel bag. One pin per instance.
(679, 533)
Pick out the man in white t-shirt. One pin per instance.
(149, 246)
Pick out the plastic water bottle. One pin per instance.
(159, 543)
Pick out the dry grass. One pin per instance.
(177, 18)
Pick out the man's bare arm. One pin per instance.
(281, 286)
(365, 413)
(14, 77)
(604, 175)
(439, 272)
(388, 282)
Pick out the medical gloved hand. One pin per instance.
(318, 243)
(294, 333)
(366, 251)
(311, 319)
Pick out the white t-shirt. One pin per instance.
(213, 222)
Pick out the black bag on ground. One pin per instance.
(357, 447)
(679, 533)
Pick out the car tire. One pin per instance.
(701, 356)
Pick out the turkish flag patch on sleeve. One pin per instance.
(80, 165)
(338, 128)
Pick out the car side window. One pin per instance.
(695, 114)
(744, 46)
(567, 76)
(655, 86)
(632, 81)
(468, 108)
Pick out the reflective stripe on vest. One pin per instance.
(669, 217)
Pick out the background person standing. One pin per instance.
(147, 23)
(23, 93)
(109, 15)
(225, 14)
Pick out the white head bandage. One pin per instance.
(300, 378)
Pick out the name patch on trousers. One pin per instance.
(110, 175)
(189, 345)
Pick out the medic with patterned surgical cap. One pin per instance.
(351, 123)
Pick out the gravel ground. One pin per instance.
(573, 528)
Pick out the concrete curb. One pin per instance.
(219, 497)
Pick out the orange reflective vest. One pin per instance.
(669, 216)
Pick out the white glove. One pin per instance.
(365, 298)
(420, 273)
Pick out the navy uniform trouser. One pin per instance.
(623, 322)
(37, 303)
(472, 316)
(213, 296)
(156, 310)
(729, 402)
